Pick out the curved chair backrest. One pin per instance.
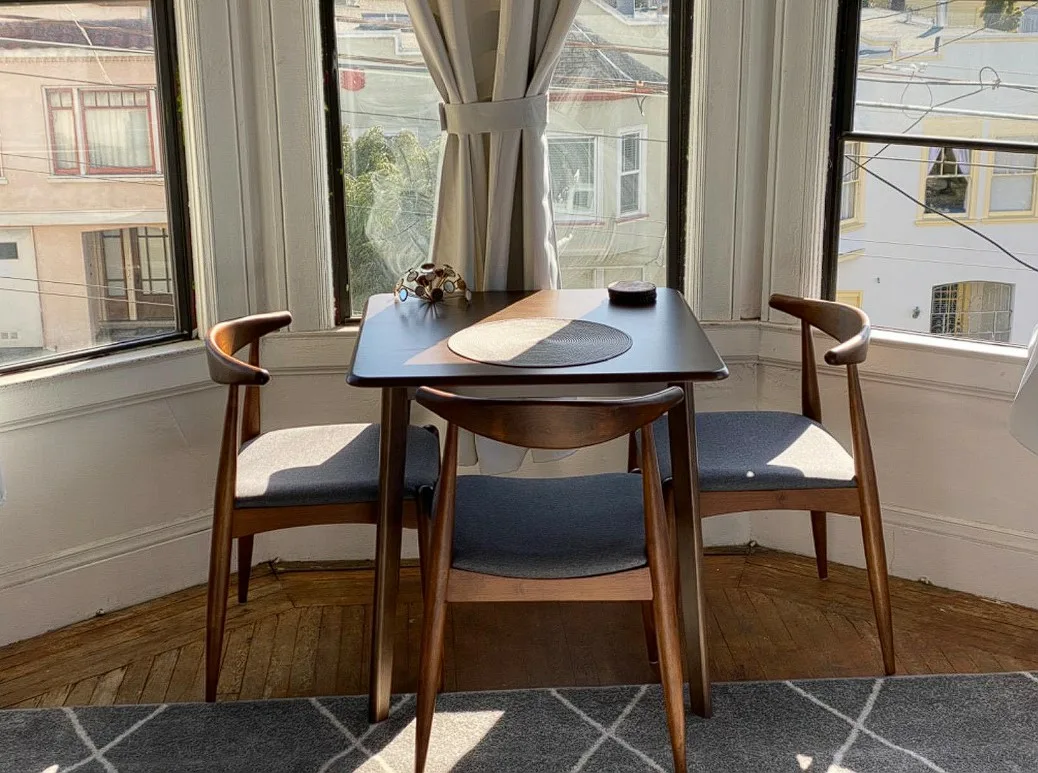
(553, 423)
(848, 325)
(227, 338)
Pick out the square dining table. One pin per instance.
(403, 345)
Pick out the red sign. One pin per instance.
(352, 80)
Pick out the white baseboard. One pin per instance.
(106, 575)
(974, 557)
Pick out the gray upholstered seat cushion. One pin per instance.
(327, 465)
(550, 527)
(762, 450)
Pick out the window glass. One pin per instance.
(851, 176)
(947, 180)
(951, 60)
(1013, 182)
(938, 219)
(608, 184)
(571, 161)
(85, 201)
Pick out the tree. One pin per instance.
(1002, 15)
(390, 185)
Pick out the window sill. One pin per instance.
(936, 220)
(565, 220)
(634, 216)
(89, 178)
(122, 378)
(915, 360)
(1011, 217)
(847, 226)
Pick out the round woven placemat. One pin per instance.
(539, 342)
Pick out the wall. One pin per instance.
(957, 490)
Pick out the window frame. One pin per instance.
(842, 131)
(81, 133)
(1011, 214)
(167, 138)
(680, 76)
(642, 134)
(595, 214)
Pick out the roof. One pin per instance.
(130, 34)
(587, 60)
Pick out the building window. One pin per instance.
(64, 154)
(979, 310)
(851, 181)
(97, 260)
(850, 297)
(572, 161)
(384, 120)
(1013, 182)
(134, 268)
(951, 184)
(113, 127)
(947, 180)
(632, 196)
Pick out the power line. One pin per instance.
(928, 208)
(85, 297)
(898, 259)
(61, 79)
(93, 178)
(852, 238)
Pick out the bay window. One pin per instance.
(923, 106)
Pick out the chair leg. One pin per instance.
(819, 532)
(244, 567)
(663, 572)
(216, 604)
(649, 623)
(876, 565)
(430, 666)
(668, 640)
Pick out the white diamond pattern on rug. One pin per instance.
(962, 724)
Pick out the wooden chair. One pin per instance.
(769, 460)
(593, 538)
(302, 476)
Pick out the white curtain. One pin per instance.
(492, 61)
(118, 138)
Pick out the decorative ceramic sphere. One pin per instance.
(432, 283)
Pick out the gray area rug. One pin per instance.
(956, 724)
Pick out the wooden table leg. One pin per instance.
(685, 466)
(392, 454)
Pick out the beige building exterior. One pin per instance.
(84, 252)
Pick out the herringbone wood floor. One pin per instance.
(303, 633)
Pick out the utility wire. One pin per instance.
(928, 208)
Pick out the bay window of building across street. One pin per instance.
(93, 254)
(610, 116)
(935, 108)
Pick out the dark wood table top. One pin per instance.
(405, 344)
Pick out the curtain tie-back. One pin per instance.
(490, 117)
